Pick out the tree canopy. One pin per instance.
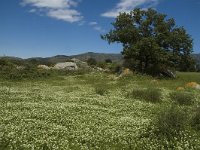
(91, 61)
(151, 41)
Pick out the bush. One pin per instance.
(102, 65)
(70, 72)
(171, 121)
(28, 72)
(116, 68)
(101, 90)
(195, 122)
(91, 62)
(108, 60)
(151, 95)
(182, 98)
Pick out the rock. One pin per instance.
(80, 64)
(45, 67)
(99, 69)
(126, 72)
(66, 66)
(20, 67)
(168, 73)
(193, 85)
(180, 88)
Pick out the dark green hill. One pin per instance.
(100, 57)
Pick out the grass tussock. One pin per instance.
(195, 121)
(182, 98)
(171, 121)
(101, 90)
(153, 95)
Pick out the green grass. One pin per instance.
(150, 94)
(101, 89)
(66, 112)
(195, 121)
(171, 121)
(182, 98)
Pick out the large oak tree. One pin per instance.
(151, 42)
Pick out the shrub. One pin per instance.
(182, 98)
(29, 72)
(70, 72)
(151, 95)
(195, 122)
(108, 60)
(4, 143)
(101, 90)
(171, 121)
(102, 65)
(116, 68)
(91, 62)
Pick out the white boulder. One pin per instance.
(80, 64)
(66, 66)
(45, 67)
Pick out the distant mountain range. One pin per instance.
(100, 57)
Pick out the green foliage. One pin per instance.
(69, 72)
(198, 67)
(182, 98)
(91, 62)
(150, 95)
(102, 65)
(37, 61)
(115, 68)
(6, 61)
(4, 143)
(28, 70)
(108, 60)
(101, 90)
(195, 122)
(171, 121)
(66, 113)
(151, 40)
(12, 73)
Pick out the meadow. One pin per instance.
(100, 111)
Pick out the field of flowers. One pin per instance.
(100, 111)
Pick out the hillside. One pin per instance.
(54, 59)
(100, 57)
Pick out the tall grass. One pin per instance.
(171, 121)
(150, 95)
(182, 98)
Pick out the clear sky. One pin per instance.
(30, 28)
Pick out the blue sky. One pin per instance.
(30, 28)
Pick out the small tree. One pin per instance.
(151, 41)
(92, 62)
(108, 60)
